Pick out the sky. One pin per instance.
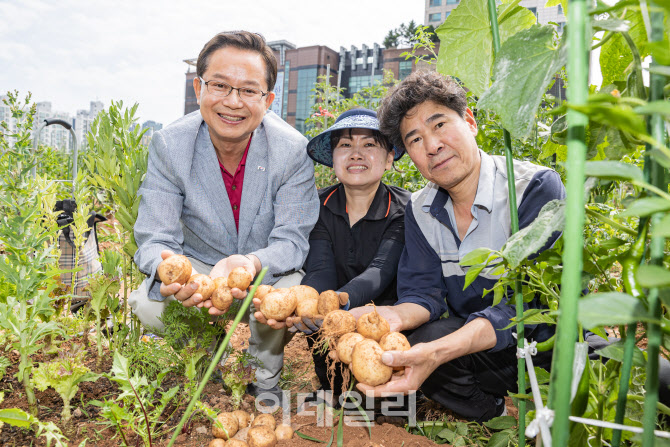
(72, 52)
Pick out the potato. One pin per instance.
(206, 287)
(266, 420)
(303, 292)
(242, 434)
(222, 298)
(328, 302)
(394, 341)
(220, 282)
(243, 418)
(261, 436)
(175, 269)
(278, 305)
(345, 345)
(284, 432)
(307, 308)
(216, 442)
(366, 363)
(338, 322)
(236, 443)
(229, 423)
(372, 325)
(239, 277)
(263, 290)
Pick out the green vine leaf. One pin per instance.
(531, 239)
(522, 71)
(466, 42)
(605, 309)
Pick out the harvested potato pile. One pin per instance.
(178, 269)
(300, 301)
(361, 344)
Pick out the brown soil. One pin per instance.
(86, 424)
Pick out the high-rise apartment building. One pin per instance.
(298, 70)
(55, 136)
(437, 11)
(84, 120)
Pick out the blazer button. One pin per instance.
(235, 207)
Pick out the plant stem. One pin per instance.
(144, 411)
(656, 174)
(26, 367)
(514, 224)
(566, 333)
(610, 222)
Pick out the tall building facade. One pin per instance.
(298, 70)
(437, 11)
(84, 121)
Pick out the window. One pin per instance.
(560, 27)
(435, 2)
(435, 17)
(533, 10)
(560, 9)
(357, 83)
(452, 2)
(446, 14)
(405, 69)
(305, 99)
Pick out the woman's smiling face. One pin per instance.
(359, 159)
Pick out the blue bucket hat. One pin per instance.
(319, 148)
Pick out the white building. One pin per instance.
(437, 11)
(55, 136)
(84, 120)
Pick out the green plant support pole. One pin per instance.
(573, 236)
(624, 381)
(654, 335)
(514, 216)
(219, 353)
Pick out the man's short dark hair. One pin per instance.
(417, 88)
(243, 40)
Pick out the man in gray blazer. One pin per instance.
(229, 185)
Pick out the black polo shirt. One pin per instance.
(361, 260)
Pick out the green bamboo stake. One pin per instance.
(513, 212)
(219, 353)
(654, 335)
(624, 381)
(573, 237)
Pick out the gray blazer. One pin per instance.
(185, 207)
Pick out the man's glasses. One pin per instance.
(220, 88)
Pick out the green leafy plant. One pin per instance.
(28, 235)
(189, 332)
(103, 296)
(141, 407)
(64, 375)
(237, 373)
(115, 165)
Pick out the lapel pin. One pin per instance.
(261, 168)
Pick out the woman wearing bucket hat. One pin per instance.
(359, 236)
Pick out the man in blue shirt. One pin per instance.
(465, 362)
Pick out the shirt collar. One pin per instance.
(437, 197)
(487, 175)
(380, 207)
(243, 161)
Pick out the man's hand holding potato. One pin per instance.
(223, 268)
(185, 294)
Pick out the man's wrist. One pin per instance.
(257, 262)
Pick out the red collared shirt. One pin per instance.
(234, 183)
